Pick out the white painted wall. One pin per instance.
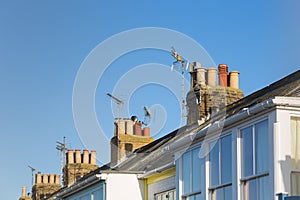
(123, 186)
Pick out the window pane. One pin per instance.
(295, 142)
(186, 174)
(250, 191)
(214, 163)
(196, 169)
(226, 159)
(295, 183)
(263, 188)
(228, 193)
(247, 147)
(218, 194)
(261, 147)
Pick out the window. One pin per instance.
(220, 165)
(167, 195)
(255, 161)
(193, 175)
(295, 156)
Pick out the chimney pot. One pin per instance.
(211, 77)
(77, 156)
(223, 73)
(234, 79)
(51, 179)
(45, 178)
(38, 178)
(57, 179)
(93, 157)
(146, 132)
(86, 156)
(138, 128)
(24, 191)
(70, 156)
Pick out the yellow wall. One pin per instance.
(158, 177)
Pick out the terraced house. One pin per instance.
(232, 148)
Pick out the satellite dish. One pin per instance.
(134, 118)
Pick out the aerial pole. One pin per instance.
(62, 147)
(118, 102)
(179, 59)
(32, 174)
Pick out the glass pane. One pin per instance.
(247, 147)
(198, 197)
(196, 170)
(250, 190)
(218, 194)
(295, 142)
(214, 163)
(295, 183)
(228, 193)
(263, 188)
(186, 174)
(226, 160)
(261, 147)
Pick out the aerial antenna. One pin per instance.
(118, 101)
(32, 174)
(147, 116)
(62, 147)
(182, 61)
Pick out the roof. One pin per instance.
(153, 155)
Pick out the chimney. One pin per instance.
(38, 178)
(77, 156)
(121, 126)
(211, 77)
(93, 157)
(234, 79)
(24, 191)
(146, 132)
(85, 156)
(223, 73)
(138, 128)
(70, 156)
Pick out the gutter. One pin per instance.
(81, 185)
(246, 112)
(157, 170)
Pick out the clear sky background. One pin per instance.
(43, 43)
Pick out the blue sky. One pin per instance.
(44, 43)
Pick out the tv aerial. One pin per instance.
(180, 60)
(118, 101)
(62, 147)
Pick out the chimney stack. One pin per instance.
(57, 179)
(45, 178)
(146, 132)
(223, 73)
(234, 79)
(200, 74)
(51, 178)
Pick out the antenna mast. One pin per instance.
(32, 174)
(62, 147)
(180, 60)
(117, 101)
